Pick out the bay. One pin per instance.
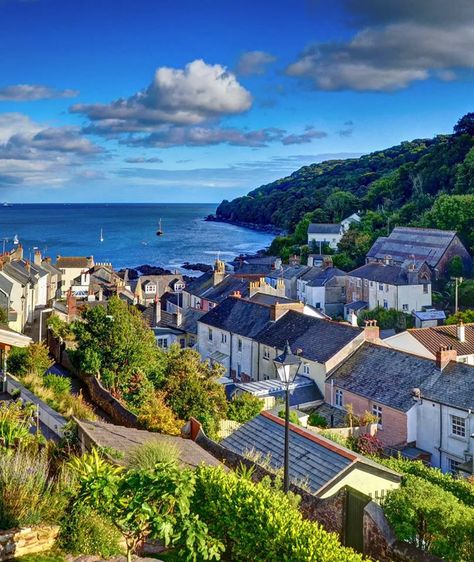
(129, 232)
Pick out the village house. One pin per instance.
(323, 465)
(323, 289)
(71, 267)
(148, 287)
(320, 234)
(423, 407)
(54, 276)
(287, 275)
(405, 287)
(427, 341)
(226, 334)
(255, 265)
(321, 344)
(436, 247)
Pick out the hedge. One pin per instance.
(462, 489)
(258, 523)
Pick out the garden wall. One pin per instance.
(29, 540)
(48, 417)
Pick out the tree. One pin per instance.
(432, 519)
(455, 267)
(116, 344)
(340, 204)
(29, 360)
(192, 389)
(465, 125)
(156, 415)
(245, 407)
(465, 316)
(465, 174)
(143, 504)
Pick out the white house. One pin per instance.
(323, 289)
(350, 220)
(405, 287)
(71, 267)
(325, 233)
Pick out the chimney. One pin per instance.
(236, 295)
(461, 332)
(101, 294)
(37, 259)
(157, 311)
(353, 319)
(71, 305)
(219, 272)
(371, 331)
(387, 260)
(277, 310)
(444, 356)
(179, 317)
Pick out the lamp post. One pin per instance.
(287, 365)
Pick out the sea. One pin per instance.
(129, 233)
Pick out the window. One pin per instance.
(318, 305)
(425, 288)
(266, 353)
(385, 303)
(209, 334)
(371, 283)
(223, 338)
(182, 343)
(339, 398)
(404, 306)
(386, 288)
(453, 465)
(239, 344)
(305, 368)
(163, 343)
(150, 288)
(359, 282)
(239, 370)
(377, 411)
(366, 282)
(380, 286)
(458, 426)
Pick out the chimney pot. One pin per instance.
(371, 331)
(461, 332)
(445, 355)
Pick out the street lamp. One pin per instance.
(287, 365)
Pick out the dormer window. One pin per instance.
(150, 289)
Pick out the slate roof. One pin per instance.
(5, 285)
(302, 390)
(76, 262)
(314, 460)
(126, 440)
(289, 272)
(238, 316)
(357, 305)
(383, 273)
(326, 275)
(324, 228)
(426, 244)
(425, 315)
(388, 376)
(225, 288)
(318, 339)
(269, 300)
(433, 338)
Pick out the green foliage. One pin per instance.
(462, 489)
(268, 526)
(192, 390)
(59, 328)
(3, 316)
(42, 557)
(245, 407)
(293, 417)
(465, 316)
(317, 420)
(28, 494)
(156, 415)
(152, 504)
(455, 267)
(432, 519)
(84, 532)
(465, 125)
(15, 422)
(148, 455)
(387, 318)
(58, 384)
(18, 361)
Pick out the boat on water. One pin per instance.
(15, 240)
(159, 232)
(101, 239)
(6, 204)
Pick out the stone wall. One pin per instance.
(29, 540)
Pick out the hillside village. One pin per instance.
(408, 394)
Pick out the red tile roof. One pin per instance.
(435, 337)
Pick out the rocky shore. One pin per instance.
(270, 228)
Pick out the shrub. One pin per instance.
(15, 422)
(156, 415)
(245, 407)
(258, 523)
(367, 444)
(83, 531)
(460, 488)
(148, 455)
(432, 519)
(58, 384)
(293, 416)
(28, 495)
(317, 420)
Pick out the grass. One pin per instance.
(51, 556)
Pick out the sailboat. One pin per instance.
(15, 240)
(159, 232)
(101, 239)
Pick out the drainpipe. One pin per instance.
(258, 361)
(332, 392)
(230, 355)
(440, 435)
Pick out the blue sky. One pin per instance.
(180, 100)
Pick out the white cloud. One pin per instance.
(33, 92)
(254, 62)
(188, 96)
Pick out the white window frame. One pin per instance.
(162, 342)
(209, 334)
(239, 345)
(405, 307)
(457, 426)
(453, 465)
(306, 369)
(266, 353)
(377, 411)
(223, 337)
(339, 398)
(150, 289)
